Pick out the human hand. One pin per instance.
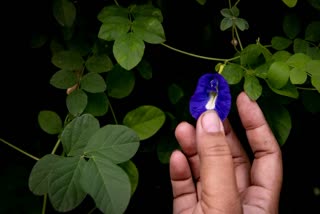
(214, 173)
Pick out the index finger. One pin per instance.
(267, 164)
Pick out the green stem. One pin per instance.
(19, 150)
(308, 89)
(199, 56)
(112, 112)
(44, 204)
(116, 2)
(92, 210)
(56, 147)
(238, 38)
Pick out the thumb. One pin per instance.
(217, 176)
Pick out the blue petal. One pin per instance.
(207, 84)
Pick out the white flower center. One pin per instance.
(211, 104)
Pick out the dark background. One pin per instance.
(24, 91)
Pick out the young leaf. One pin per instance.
(226, 23)
(315, 81)
(313, 67)
(114, 28)
(298, 60)
(280, 43)
(65, 192)
(107, 184)
(93, 82)
(145, 120)
(226, 12)
(120, 82)
(175, 93)
(77, 133)
(63, 79)
(68, 60)
(99, 63)
(130, 168)
(288, 90)
(278, 74)
(117, 143)
(252, 87)
(39, 176)
(50, 122)
(97, 104)
(147, 10)
(128, 50)
(77, 102)
(233, 73)
(281, 56)
(64, 12)
(148, 29)
(242, 24)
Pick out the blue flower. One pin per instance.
(212, 92)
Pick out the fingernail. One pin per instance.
(211, 122)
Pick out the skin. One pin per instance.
(213, 174)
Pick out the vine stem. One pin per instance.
(44, 205)
(307, 89)
(199, 56)
(56, 146)
(19, 150)
(92, 210)
(112, 112)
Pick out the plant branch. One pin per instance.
(112, 112)
(44, 204)
(19, 150)
(308, 89)
(56, 146)
(199, 56)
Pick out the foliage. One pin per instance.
(100, 60)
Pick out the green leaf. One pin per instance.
(298, 76)
(290, 3)
(148, 29)
(145, 69)
(128, 50)
(175, 93)
(68, 60)
(315, 81)
(278, 74)
(64, 12)
(312, 32)
(280, 43)
(281, 56)
(242, 24)
(114, 28)
(145, 120)
(300, 46)
(165, 147)
(235, 11)
(298, 60)
(93, 82)
(252, 87)
(97, 104)
(65, 192)
(313, 67)
(63, 79)
(39, 177)
(77, 133)
(107, 184)
(250, 54)
(112, 11)
(50, 122)
(311, 101)
(233, 73)
(279, 121)
(147, 10)
(226, 12)
(77, 102)
(99, 63)
(117, 143)
(288, 90)
(226, 23)
(291, 26)
(130, 168)
(202, 2)
(120, 82)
